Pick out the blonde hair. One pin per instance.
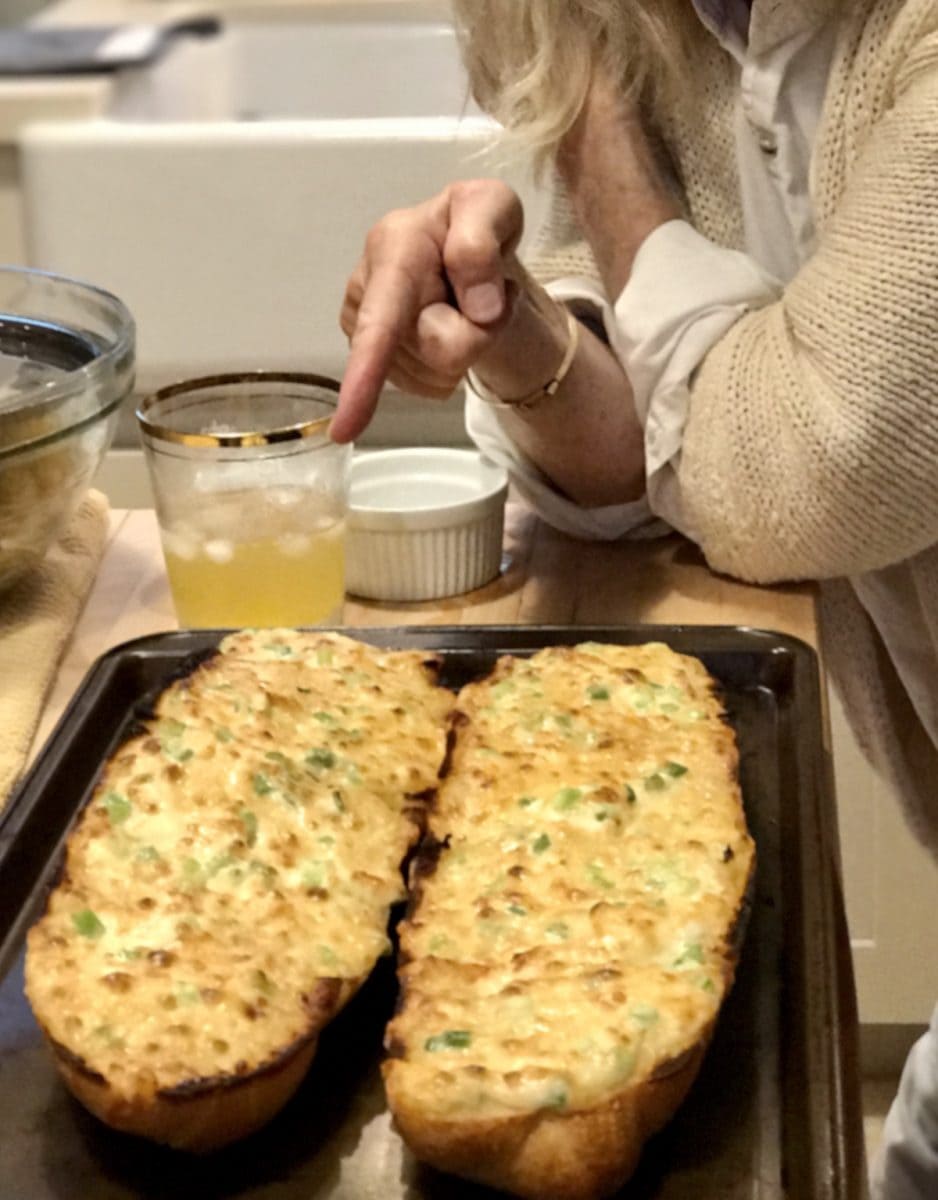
(530, 61)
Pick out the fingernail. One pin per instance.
(483, 302)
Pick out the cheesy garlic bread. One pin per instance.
(574, 920)
(228, 886)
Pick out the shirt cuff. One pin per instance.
(684, 293)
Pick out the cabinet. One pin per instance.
(891, 885)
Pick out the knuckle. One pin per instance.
(390, 230)
(443, 356)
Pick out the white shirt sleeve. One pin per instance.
(683, 294)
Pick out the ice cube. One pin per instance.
(219, 550)
(181, 542)
(294, 545)
(285, 497)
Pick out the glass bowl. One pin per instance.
(66, 364)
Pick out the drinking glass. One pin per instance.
(251, 497)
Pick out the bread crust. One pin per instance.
(201, 1115)
(581, 1155)
(210, 1116)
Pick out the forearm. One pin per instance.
(586, 437)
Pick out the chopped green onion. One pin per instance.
(324, 718)
(527, 801)
(280, 649)
(223, 733)
(630, 794)
(452, 1039)
(655, 783)
(597, 692)
(644, 1015)
(118, 807)
(261, 784)
(320, 759)
(262, 981)
(693, 953)
(88, 924)
(598, 876)
(540, 844)
(517, 910)
(624, 1058)
(675, 769)
(219, 863)
(558, 929)
(314, 874)
(147, 854)
(277, 757)
(328, 956)
(557, 1096)
(249, 821)
(266, 871)
(567, 797)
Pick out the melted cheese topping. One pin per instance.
(241, 848)
(575, 932)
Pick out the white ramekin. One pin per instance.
(423, 523)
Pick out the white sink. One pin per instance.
(226, 193)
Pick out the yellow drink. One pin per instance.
(242, 561)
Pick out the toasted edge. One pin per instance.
(205, 1114)
(581, 1155)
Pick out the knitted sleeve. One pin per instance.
(811, 445)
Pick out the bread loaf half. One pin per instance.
(228, 886)
(574, 921)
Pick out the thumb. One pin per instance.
(485, 223)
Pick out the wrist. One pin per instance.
(531, 350)
(544, 391)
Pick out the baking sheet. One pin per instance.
(774, 1113)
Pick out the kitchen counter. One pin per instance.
(103, 12)
(547, 578)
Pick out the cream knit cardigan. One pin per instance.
(811, 446)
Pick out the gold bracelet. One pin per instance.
(532, 399)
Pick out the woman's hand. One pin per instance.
(429, 296)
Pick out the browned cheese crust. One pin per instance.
(228, 887)
(574, 922)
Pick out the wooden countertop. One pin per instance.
(548, 578)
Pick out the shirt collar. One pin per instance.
(770, 22)
(728, 21)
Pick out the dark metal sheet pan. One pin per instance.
(774, 1114)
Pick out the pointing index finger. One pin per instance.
(389, 307)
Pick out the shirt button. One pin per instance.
(768, 143)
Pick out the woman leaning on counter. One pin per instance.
(738, 335)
